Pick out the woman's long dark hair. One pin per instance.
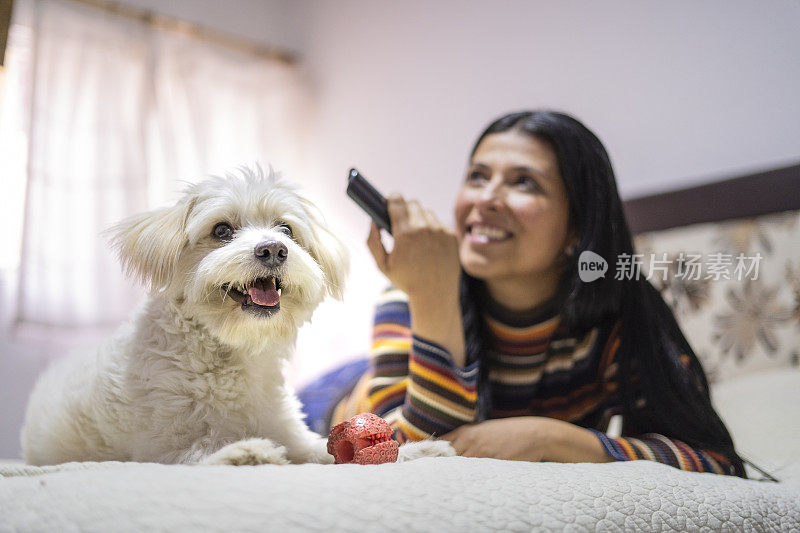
(651, 342)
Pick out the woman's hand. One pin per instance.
(424, 261)
(528, 438)
(424, 264)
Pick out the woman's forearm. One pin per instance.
(528, 438)
(568, 443)
(437, 318)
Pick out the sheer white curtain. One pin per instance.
(105, 117)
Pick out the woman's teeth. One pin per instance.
(488, 233)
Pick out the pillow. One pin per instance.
(737, 321)
(762, 412)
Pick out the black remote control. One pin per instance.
(369, 199)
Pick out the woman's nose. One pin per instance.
(491, 194)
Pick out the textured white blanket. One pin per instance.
(441, 494)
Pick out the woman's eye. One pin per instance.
(476, 177)
(222, 230)
(285, 228)
(526, 183)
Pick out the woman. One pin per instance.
(491, 340)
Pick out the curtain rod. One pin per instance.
(173, 24)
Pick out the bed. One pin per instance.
(463, 494)
(441, 494)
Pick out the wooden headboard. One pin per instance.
(746, 196)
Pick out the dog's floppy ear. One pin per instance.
(149, 244)
(334, 258)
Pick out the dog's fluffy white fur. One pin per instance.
(197, 375)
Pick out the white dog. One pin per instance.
(235, 268)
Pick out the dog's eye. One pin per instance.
(222, 230)
(285, 228)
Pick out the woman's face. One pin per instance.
(512, 214)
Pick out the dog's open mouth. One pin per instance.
(262, 296)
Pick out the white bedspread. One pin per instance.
(441, 494)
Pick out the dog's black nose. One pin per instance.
(271, 253)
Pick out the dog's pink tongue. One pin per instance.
(264, 293)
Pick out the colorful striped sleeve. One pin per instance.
(414, 383)
(634, 445)
(440, 396)
(655, 447)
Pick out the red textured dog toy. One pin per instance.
(365, 439)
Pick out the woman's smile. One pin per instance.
(480, 233)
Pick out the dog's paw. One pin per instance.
(249, 452)
(316, 456)
(425, 448)
(316, 452)
(320, 453)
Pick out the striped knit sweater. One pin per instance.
(416, 387)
